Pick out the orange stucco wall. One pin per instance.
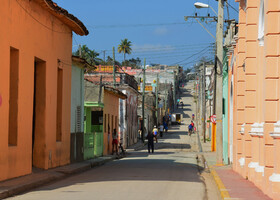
(32, 39)
(111, 108)
(256, 97)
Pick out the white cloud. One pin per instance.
(160, 31)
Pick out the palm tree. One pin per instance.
(125, 47)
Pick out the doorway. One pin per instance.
(39, 105)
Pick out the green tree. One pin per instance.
(109, 61)
(89, 55)
(133, 63)
(125, 47)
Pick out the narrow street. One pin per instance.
(170, 173)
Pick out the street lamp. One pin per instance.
(203, 5)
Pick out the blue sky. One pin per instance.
(156, 28)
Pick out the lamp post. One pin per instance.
(203, 5)
(218, 110)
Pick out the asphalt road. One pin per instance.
(169, 173)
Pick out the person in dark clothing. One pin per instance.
(150, 138)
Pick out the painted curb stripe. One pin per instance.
(221, 186)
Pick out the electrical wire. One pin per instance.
(135, 25)
(75, 40)
(232, 7)
(167, 47)
(162, 54)
(196, 60)
(41, 22)
(191, 56)
(228, 11)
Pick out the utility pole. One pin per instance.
(219, 83)
(104, 55)
(199, 102)
(203, 112)
(100, 89)
(174, 90)
(157, 100)
(143, 100)
(80, 51)
(197, 83)
(165, 105)
(114, 67)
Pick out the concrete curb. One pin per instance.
(223, 191)
(221, 187)
(29, 186)
(54, 175)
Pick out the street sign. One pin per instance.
(213, 119)
(147, 88)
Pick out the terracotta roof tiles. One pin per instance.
(73, 22)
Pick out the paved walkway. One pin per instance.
(41, 177)
(231, 184)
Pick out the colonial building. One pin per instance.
(35, 85)
(253, 84)
(128, 119)
(101, 118)
(77, 108)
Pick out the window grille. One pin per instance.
(78, 119)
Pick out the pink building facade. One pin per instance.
(254, 117)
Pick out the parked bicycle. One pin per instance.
(122, 151)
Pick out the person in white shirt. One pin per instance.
(155, 132)
(161, 130)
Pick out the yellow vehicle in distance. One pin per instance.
(176, 118)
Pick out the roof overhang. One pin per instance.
(94, 104)
(80, 61)
(70, 20)
(115, 92)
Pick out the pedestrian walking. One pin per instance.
(192, 123)
(150, 138)
(155, 132)
(161, 130)
(192, 116)
(190, 127)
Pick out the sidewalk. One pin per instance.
(137, 146)
(230, 184)
(40, 177)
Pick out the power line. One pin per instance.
(75, 40)
(172, 49)
(191, 56)
(196, 60)
(172, 56)
(166, 47)
(188, 50)
(135, 25)
(39, 21)
(232, 7)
